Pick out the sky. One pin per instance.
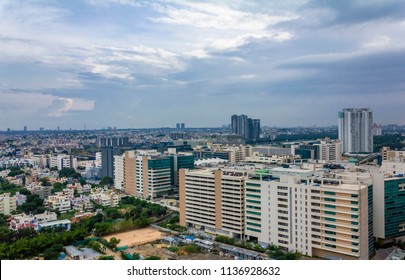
(145, 64)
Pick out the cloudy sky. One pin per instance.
(140, 63)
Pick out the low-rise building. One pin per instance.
(58, 202)
(105, 197)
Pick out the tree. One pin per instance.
(107, 181)
(45, 181)
(136, 256)
(69, 173)
(113, 243)
(152, 258)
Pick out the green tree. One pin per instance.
(107, 181)
(113, 243)
(136, 256)
(152, 258)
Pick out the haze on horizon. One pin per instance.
(141, 63)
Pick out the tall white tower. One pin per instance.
(355, 130)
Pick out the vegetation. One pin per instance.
(45, 182)
(106, 258)
(394, 141)
(26, 243)
(53, 252)
(107, 181)
(6, 187)
(278, 254)
(152, 258)
(15, 171)
(136, 256)
(239, 243)
(34, 205)
(57, 187)
(69, 173)
(172, 224)
(192, 249)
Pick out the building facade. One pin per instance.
(213, 201)
(355, 130)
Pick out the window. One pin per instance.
(330, 213)
(330, 193)
(330, 206)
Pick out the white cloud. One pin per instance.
(60, 106)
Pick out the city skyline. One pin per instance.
(144, 64)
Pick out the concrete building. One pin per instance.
(389, 205)
(327, 215)
(63, 161)
(247, 127)
(329, 150)
(23, 220)
(390, 155)
(213, 200)
(58, 202)
(105, 197)
(8, 203)
(355, 130)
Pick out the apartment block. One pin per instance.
(8, 203)
(58, 202)
(213, 200)
(105, 197)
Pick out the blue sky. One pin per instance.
(139, 64)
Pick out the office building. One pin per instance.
(389, 208)
(246, 127)
(328, 216)
(355, 130)
(149, 173)
(213, 201)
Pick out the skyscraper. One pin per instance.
(355, 130)
(249, 128)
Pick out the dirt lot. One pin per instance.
(160, 251)
(137, 237)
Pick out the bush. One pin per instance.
(152, 258)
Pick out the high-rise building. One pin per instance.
(325, 214)
(247, 127)
(177, 125)
(107, 160)
(25, 128)
(355, 130)
(213, 201)
(389, 205)
(113, 141)
(183, 126)
(149, 173)
(330, 215)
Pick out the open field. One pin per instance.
(136, 237)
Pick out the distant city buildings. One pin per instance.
(355, 130)
(377, 129)
(247, 127)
